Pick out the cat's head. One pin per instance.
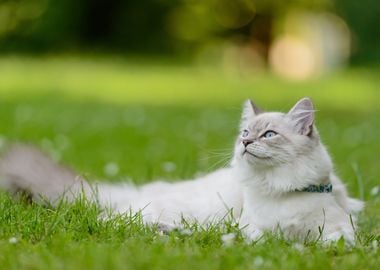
(269, 139)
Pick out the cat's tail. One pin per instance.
(25, 168)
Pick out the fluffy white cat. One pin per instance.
(281, 180)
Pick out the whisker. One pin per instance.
(225, 161)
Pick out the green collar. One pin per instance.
(327, 188)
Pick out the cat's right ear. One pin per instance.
(302, 115)
(250, 110)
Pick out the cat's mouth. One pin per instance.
(253, 155)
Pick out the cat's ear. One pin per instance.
(250, 110)
(302, 115)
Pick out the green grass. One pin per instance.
(142, 116)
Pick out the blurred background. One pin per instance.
(145, 89)
(295, 39)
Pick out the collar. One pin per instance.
(326, 188)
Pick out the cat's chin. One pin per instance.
(254, 160)
(248, 154)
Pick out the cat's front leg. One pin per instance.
(344, 232)
(250, 229)
(252, 233)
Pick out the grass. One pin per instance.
(127, 120)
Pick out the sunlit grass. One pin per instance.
(136, 81)
(131, 121)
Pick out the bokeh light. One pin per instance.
(310, 44)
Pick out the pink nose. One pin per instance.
(246, 142)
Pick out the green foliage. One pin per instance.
(362, 18)
(167, 26)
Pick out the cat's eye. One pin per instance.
(269, 134)
(245, 133)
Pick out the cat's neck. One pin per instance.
(314, 169)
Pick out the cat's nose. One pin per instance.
(246, 142)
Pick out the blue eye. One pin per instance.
(269, 134)
(245, 133)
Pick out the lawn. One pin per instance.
(138, 120)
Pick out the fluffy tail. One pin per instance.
(25, 168)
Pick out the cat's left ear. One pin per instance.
(250, 110)
(302, 115)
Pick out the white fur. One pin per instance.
(207, 199)
(258, 188)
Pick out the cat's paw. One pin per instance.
(166, 228)
(348, 236)
(253, 235)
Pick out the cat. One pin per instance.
(280, 180)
